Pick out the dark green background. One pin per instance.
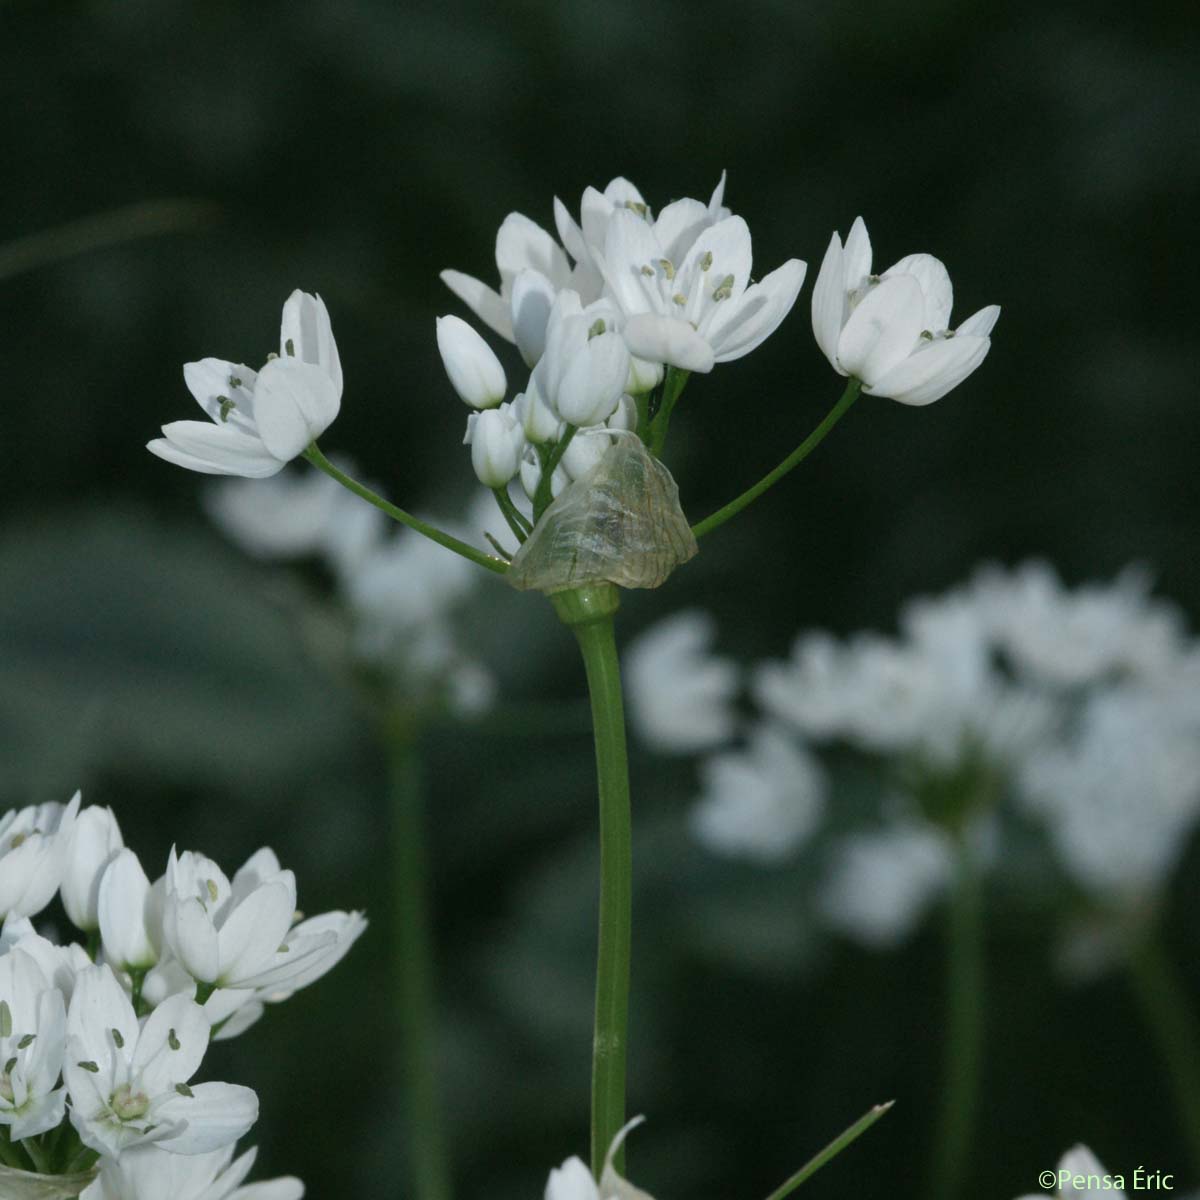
(1047, 152)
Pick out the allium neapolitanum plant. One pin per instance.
(612, 320)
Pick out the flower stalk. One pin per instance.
(414, 967)
(589, 613)
(792, 461)
(964, 1026)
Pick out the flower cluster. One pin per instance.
(1010, 698)
(101, 1041)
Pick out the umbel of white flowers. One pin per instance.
(109, 1041)
(1068, 703)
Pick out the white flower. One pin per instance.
(531, 473)
(573, 1180)
(336, 932)
(1074, 638)
(261, 420)
(59, 964)
(130, 914)
(1080, 1173)
(129, 1085)
(473, 369)
(91, 845)
(149, 1173)
(33, 843)
(762, 803)
(880, 884)
(892, 331)
(698, 308)
(1120, 797)
(680, 695)
(32, 1040)
(497, 439)
(235, 935)
(521, 246)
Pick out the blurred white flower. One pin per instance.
(892, 330)
(149, 1173)
(880, 883)
(129, 1083)
(32, 1040)
(471, 365)
(93, 842)
(1072, 638)
(1080, 1173)
(760, 803)
(259, 421)
(681, 696)
(33, 845)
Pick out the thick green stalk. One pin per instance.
(964, 1028)
(792, 461)
(1172, 1022)
(313, 455)
(589, 612)
(414, 982)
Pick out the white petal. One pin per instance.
(930, 373)
(630, 245)
(728, 242)
(716, 203)
(934, 279)
(522, 244)
(571, 1181)
(486, 303)
(668, 340)
(294, 403)
(171, 1046)
(122, 900)
(189, 932)
(213, 381)
(256, 929)
(471, 365)
(286, 1187)
(829, 300)
(856, 265)
(531, 301)
(883, 330)
(763, 306)
(306, 325)
(98, 1007)
(982, 323)
(622, 193)
(679, 225)
(594, 381)
(214, 450)
(214, 1115)
(569, 232)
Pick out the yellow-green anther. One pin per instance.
(679, 299)
(926, 335)
(184, 1090)
(17, 839)
(213, 892)
(26, 1041)
(120, 1041)
(949, 333)
(172, 1039)
(636, 207)
(598, 327)
(648, 271)
(668, 267)
(225, 407)
(234, 381)
(283, 948)
(724, 289)
(290, 347)
(706, 260)
(10, 1066)
(89, 1066)
(5, 1019)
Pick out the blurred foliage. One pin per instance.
(1046, 152)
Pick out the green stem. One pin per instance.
(414, 982)
(1167, 1012)
(793, 460)
(673, 385)
(518, 522)
(11, 1153)
(834, 1148)
(589, 612)
(313, 455)
(964, 1028)
(544, 492)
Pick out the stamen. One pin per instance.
(224, 407)
(724, 289)
(668, 267)
(706, 260)
(598, 327)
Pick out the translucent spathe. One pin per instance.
(620, 523)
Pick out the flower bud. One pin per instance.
(594, 380)
(531, 475)
(585, 451)
(474, 371)
(625, 415)
(496, 440)
(32, 841)
(643, 376)
(128, 914)
(91, 845)
(539, 420)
